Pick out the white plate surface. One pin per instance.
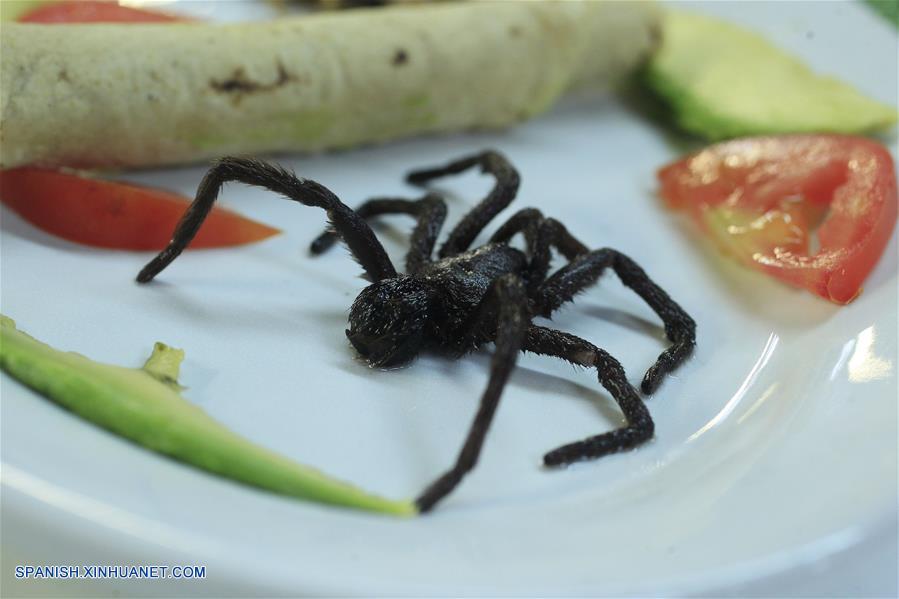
(773, 469)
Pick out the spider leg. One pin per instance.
(586, 269)
(360, 239)
(526, 221)
(540, 235)
(639, 428)
(504, 310)
(532, 224)
(430, 212)
(500, 196)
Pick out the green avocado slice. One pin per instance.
(723, 81)
(145, 406)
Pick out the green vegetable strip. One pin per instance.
(144, 405)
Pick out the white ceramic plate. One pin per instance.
(773, 469)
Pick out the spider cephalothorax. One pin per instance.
(465, 297)
(388, 320)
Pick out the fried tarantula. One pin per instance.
(465, 298)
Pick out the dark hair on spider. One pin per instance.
(464, 298)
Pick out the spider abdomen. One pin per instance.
(464, 281)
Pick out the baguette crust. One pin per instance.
(145, 95)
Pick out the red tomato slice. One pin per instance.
(115, 215)
(94, 11)
(760, 199)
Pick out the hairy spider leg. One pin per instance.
(531, 222)
(639, 428)
(526, 221)
(360, 239)
(585, 270)
(540, 235)
(500, 196)
(503, 309)
(429, 211)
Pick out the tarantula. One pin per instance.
(465, 297)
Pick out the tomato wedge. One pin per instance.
(94, 11)
(115, 215)
(761, 198)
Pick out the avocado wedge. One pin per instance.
(145, 406)
(722, 81)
